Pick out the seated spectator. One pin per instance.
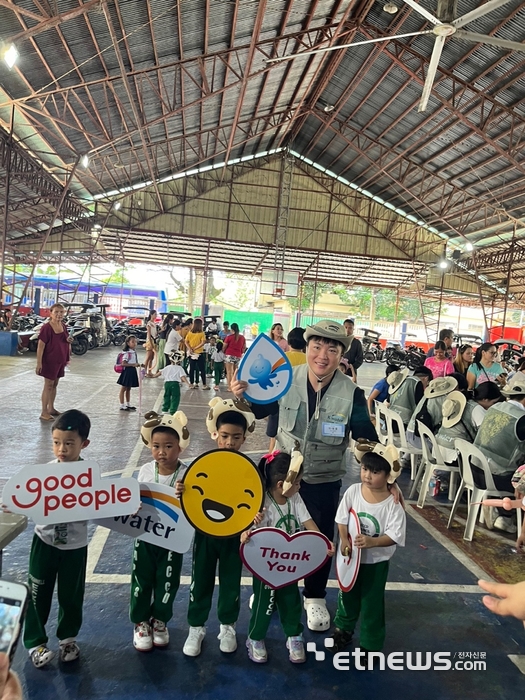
(406, 391)
(463, 359)
(518, 375)
(430, 408)
(485, 368)
(439, 364)
(380, 390)
(485, 396)
(297, 352)
(501, 438)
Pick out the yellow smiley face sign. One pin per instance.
(223, 492)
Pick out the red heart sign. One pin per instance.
(278, 559)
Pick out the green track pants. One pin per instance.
(367, 598)
(207, 551)
(288, 602)
(48, 564)
(155, 579)
(171, 397)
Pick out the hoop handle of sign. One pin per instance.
(347, 568)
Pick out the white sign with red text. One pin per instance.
(278, 559)
(159, 521)
(60, 492)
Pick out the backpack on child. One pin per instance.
(119, 368)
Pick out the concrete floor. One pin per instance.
(442, 611)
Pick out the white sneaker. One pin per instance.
(257, 651)
(228, 639)
(69, 651)
(192, 645)
(506, 524)
(161, 636)
(295, 646)
(142, 640)
(317, 616)
(41, 656)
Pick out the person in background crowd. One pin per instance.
(296, 354)
(233, 349)
(447, 336)
(380, 390)
(346, 368)
(276, 334)
(439, 364)
(165, 330)
(406, 391)
(501, 438)
(485, 368)
(463, 359)
(173, 341)
(195, 341)
(225, 330)
(484, 396)
(519, 374)
(52, 356)
(151, 343)
(354, 354)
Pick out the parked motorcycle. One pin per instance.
(93, 317)
(395, 355)
(415, 357)
(372, 349)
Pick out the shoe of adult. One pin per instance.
(317, 615)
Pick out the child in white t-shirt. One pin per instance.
(383, 527)
(173, 375)
(289, 513)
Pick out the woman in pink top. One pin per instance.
(233, 348)
(439, 364)
(276, 334)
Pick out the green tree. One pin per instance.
(117, 277)
(305, 298)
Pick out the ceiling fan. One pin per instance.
(448, 25)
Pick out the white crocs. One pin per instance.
(317, 616)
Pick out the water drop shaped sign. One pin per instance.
(267, 371)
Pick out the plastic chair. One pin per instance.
(399, 439)
(466, 452)
(432, 459)
(381, 422)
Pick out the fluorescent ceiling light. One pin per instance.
(11, 56)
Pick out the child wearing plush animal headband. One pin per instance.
(286, 511)
(382, 523)
(153, 592)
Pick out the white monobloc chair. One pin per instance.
(399, 439)
(381, 422)
(432, 459)
(475, 494)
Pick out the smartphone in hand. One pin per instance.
(14, 598)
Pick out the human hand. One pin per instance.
(179, 488)
(258, 517)
(397, 494)
(10, 688)
(331, 550)
(70, 339)
(238, 387)
(345, 546)
(245, 536)
(511, 598)
(363, 541)
(38, 369)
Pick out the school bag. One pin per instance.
(118, 364)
